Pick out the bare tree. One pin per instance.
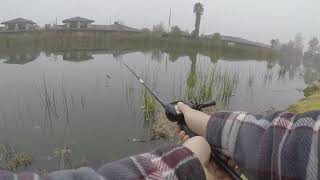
(159, 28)
(313, 45)
(275, 43)
(298, 42)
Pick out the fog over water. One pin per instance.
(252, 19)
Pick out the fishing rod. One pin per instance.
(175, 116)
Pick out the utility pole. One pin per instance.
(169, 24)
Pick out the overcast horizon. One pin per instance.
(251, 19)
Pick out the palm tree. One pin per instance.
(198, 10)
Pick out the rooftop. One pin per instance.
(240, 41)
(78, 19)
(19, 20)
(114, 27)
(243, 41)
(120, 27)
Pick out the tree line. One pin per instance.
(296, 46)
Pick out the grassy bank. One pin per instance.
(310, 102)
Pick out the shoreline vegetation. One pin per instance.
(175, 43)
(311, 101)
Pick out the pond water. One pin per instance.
(89, 101)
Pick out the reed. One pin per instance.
(13, 160)
(212, 83)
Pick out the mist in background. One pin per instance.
(255, 20)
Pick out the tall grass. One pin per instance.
(49, 103)
(13, 160)
(212, 82)
(310, 76)
(150, 76)
(228, 81)
(251, 79)
(58, 105)
(149, 106)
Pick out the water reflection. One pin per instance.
(290, 65)
(287, 67)
(19, 57)
(77, 56)
(312, 69)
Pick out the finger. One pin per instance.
(183, 108)
(178, 129)
(182, 134)
(221, 174)
(185, 138)
(232, 164)
(200, 147)
(217, 171)
(226, 178)
(237, 170)
(225, 158)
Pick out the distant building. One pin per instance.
(19, 24)
(232, 41)
(121, 28)
(77, 23)
(116, 27)
(57, 27)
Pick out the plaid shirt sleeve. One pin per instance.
(169, 162)
(279, 146)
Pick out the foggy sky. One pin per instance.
(257, 20)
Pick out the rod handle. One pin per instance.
(186, 129)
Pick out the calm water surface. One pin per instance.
(90, 102)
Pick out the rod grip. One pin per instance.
(187, 130)
(208, 104)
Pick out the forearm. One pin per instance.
(275, 146)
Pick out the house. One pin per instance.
(77, 23)
(116, 27)
(232, 41)
(57, 27)
(19, 24)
